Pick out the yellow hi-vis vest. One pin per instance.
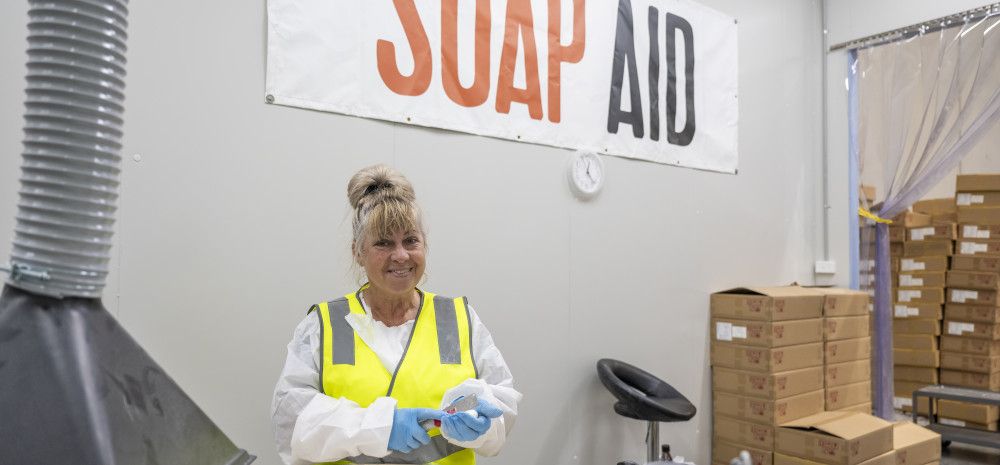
(437, 357)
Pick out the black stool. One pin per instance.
(643, 396)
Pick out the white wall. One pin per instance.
(233, 223)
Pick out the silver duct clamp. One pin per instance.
(19, 272)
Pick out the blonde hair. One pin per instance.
(384, 203)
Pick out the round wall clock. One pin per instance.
(586, 174)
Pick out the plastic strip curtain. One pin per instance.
(923, 103)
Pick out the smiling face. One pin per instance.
(394, 264)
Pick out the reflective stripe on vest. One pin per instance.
(437, 357)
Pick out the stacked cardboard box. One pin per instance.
(929, 238)
(847, 350)
(846, 438)
(970, 344)
(767, 366)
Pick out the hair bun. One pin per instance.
(378, 181)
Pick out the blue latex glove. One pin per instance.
(407, 434)
(465, 427)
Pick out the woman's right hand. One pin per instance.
(407, 434)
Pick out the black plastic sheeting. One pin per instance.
(75, 388)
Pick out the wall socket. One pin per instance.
(826, 267)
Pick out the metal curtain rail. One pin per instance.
(933, 25)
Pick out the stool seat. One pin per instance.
(641, 395)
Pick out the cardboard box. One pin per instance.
(896, 234)
(903, 396)
(971, 296)
(767, 360)
(906, 388)
(911, 220)
(765, 411)
(977, 199)
(916, 358)
(977, 182)
(767, 303)
(935, 206)
(928, 248)
(846, 327)
(767, 385)
(975, 313)
(843, 302)
(976, 247)
(979, 215)
(973, 363)
(967, 424)
(929, 295)
(895, 249)
(914, 374)
(860, 408)
(838, 438)
(723, 452)
(917, 311)
(944, 218)
(918, 279)
(976, 413)
(888, 458)
(974, 280)
(900, 326)
(914, 444)
(939, 263)
(932, 233)
(840, 374)
(975, 263)
(866, 192)
(838, 397)
(767, 333)
(972, 330)
(847, 350)
(915, 341)
(970, 346)
(743, 432)
(989, 381)
(904, 402)
(978, 231)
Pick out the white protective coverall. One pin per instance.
(310, 426)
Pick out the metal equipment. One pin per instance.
(74, 386)
(957, 433)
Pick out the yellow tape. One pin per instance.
(872, 216)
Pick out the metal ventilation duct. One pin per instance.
(74, 386)
(73, 131)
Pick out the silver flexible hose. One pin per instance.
(73, 131)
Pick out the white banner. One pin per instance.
(648, 79)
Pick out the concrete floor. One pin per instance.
(966, 454)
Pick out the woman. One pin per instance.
(367, 373)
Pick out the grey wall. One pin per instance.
(233, 223)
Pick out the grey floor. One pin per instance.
(966, 454)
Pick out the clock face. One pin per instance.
(586, 173)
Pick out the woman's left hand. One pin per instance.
(465, 427)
